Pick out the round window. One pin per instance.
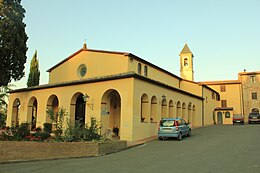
(82, 70)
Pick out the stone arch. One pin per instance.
(52, 104)
(15, 112)
(78, 108)
(255, 110)
(178, 113)
(145, 71)
(190, 113)
(186, 62)
(144, 108)
(139, 68)
(32, 112)
(219, 117)
(153, 110)
(171, 107)
(111, 111)
(164, 108)
(193, 119)
(184, 113)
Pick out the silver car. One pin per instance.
(173, 127)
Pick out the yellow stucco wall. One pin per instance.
(97, 63)
(65, 94)
(130, 91)
(192, 87)
(154, 73)
(233, 97)
(141, 129)
(106, 64)
(210, 104)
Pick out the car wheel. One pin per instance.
(249, 122)
(160, 138)
(189, 133)
(179, 138)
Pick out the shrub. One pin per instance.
(21, 132)
(38, 129)
(47, 127)
(74, 131)
(92, 132)
(6, 136)
(78, 132)
(2, 120)
(58, 132)
(41, 136)
(58, 118)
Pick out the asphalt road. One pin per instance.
(216, 149)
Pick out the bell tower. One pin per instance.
(186, 64)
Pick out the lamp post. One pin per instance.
(86, 100)
(85, 97)
(163, 97)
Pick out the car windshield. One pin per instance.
(253, 114)
(167, 123)
(237, 116)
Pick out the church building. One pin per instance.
(120, 90)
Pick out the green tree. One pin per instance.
(3, 103)
(4, 95)
(34, 75)
(12, 41)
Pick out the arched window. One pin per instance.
(178, 114)
(189, 113)
(53, 106)
(193, 119)
(15, 112)
(255, 110)
(144, 108)
(139, 68)
(153, 112)
(164, 108)
(32, 112)
(184, 113)
(145, 71)
(170, 113)
(186, 62)
(227, 114)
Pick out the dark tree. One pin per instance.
(34, 75)
(3, 103)
(12, 41)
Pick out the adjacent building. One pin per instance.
(237, 96)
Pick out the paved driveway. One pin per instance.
(220, 149)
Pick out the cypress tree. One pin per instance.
(34, 75)
(12, 41)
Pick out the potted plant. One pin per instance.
(116, 130)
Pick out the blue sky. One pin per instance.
(223, 35)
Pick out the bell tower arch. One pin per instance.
(186, 64)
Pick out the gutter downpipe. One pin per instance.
(242, 102)
(242, 105)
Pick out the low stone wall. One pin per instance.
(22, 151)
